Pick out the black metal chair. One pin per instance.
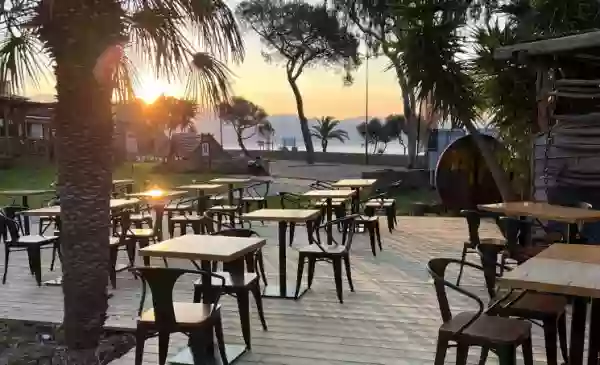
(336, 254)
(166, 316)
(178, 208)
(241, 285)
(295, 201)
(467, 329)
(33, 244)
(231, 212)
(120, 240)
(252, 196)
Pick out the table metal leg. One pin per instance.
(329, 219)
(577, 331)
(594, 334)
(25, 203)
(572, 232)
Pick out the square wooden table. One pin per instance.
(54, 211)
(566, 269)
(541, 210)
(158, 199)
(201, 190)
(356, 185)
(283, 217)
(25, 194)
(329, 195)
(231, 183)
(229, 250)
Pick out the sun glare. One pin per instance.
(150, 89)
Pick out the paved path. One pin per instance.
(321, 171)
(392, 318)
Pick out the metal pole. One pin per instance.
(367, 108)
(221, 132)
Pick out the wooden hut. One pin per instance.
(566, 167)
(25, 127)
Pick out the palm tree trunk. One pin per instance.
(500, 176)
(409, 113)
(310, 152)
(77, 35)
(324, 145)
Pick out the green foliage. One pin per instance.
(379, 134)
(301, 35)
(328, 128)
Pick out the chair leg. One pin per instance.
(131, 252)
(163, 347)
(440, 352)
(6, 256)
(55, 249)
(171, 226)
(462, 352)
(140, 338)
(292, 232)
(348, 272)
(244, 310)
(507, 355)
(299, 274)
(221, 341)
(462, 265)
(312, 262)
(144, 243)
(113, 251)
(484, 355)
(337, 276)
(255, 289)
(35, 258)
(550, 335)
(390, 213)
(378, 235)
(371, 230)
(260, 264)
(528, 351)
(562, 337)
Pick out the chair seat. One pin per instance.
(488, 329)
(140, 217)
(253, 198)
(487, 241)
(187, 218)
(33, 240)
(314, 249)
(532, 305)
(115, 241)
(232, 280)
(366, 219)
(378, 203)
(179, 207)
(218, 197)
(141, 232)
(224, 208)
(336, 202)
(185, 313)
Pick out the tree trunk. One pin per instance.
(310, 152)
(77, 33)
(409, 113)
(324, 145)
(240, 141)
(500, 176)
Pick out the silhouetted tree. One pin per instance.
(245, 117)
(301, 35)
(326, 129)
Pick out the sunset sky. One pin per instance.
(266, 85)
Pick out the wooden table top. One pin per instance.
(55, 210)
(566, 269)
(329, 193)
(26, 192)
(544, 211)
(204, 248)
(231, 180)
(157, 194)
(122, 181)
(201, 187)
(354, 183)
(281, 215)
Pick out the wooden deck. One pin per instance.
(392, 318)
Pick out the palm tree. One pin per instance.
(86, 43)
(266, 131)
(326, 129)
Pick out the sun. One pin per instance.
(150, 89)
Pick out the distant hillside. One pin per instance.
(286, 126)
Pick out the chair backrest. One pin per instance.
(9, 229)
(437, 269)
(321, 185)
(291, 200)
(252, 189)
(235, 232)
(161, 281)
(125, 225)
(348, 224)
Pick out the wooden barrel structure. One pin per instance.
(462, 177)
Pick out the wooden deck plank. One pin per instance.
(392, 318)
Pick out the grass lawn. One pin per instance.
(40, 177)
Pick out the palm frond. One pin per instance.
(208, 82)
(126, 81)
(22, 60)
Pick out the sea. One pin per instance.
(392, 148)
